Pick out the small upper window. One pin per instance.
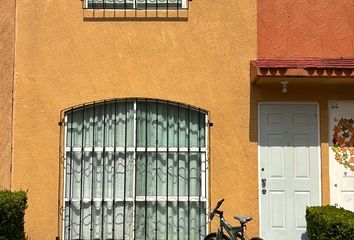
(132, 9)
(137, 4)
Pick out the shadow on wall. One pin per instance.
(315, 91)
(304, 236)
(283, 120)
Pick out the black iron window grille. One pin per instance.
(135, 169)
(137, 4)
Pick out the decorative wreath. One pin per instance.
(343, 142)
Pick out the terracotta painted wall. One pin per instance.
(7, 54)
(62, 61)
(305, 28)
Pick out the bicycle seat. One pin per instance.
(243, 219)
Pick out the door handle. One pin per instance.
(264, 181)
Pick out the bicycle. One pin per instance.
(234, 233)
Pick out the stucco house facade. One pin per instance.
(130, 119)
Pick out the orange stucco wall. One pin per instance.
(7, 50)
(62, 61)
(298, 28)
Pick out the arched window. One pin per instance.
(135, 169)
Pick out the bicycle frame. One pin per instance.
(233, 232)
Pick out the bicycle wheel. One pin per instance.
(212, 236)
(256, 238)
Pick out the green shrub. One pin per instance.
(329, 222)
(12, 212)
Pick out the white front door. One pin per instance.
(341, 154)
(289, 168)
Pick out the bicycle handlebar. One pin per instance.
(212, 213)
(219, 204)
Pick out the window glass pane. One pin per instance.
(119, 219)
(88, 126)
(87, 175)
(108, 175)
(75, 223)
(124, 175)
(161, 220)
(183, 174)
(141, 4)
(124, 123)
(107, 220)
(141, 123)
(153, 212)
(123, 216)
(76, 175)
(141, 173)
(151, 109)
(188, 175)
(193, 220)
(67, 220)
(140, 220)
(202, 130)
(194, 174)
(86, 220)
(110, 125)
(161, 174)
(97, 175)
(74, 128)
(183, 127)
(68, 175)
(196, 128)
(172, 125)
(172, 174)
(99, 126)
(162, 125)
(96, 219)
(183, 220)
(148, 174)
(172, 220)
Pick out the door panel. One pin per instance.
(277, 209)
(341, 178)
(289, 168)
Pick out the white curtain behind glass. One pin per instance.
(110, 180)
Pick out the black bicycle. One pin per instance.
(233, 233)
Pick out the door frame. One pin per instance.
(258, 149)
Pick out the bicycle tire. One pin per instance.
(212, 236)
(256, 238)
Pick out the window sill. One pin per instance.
(135, 14)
